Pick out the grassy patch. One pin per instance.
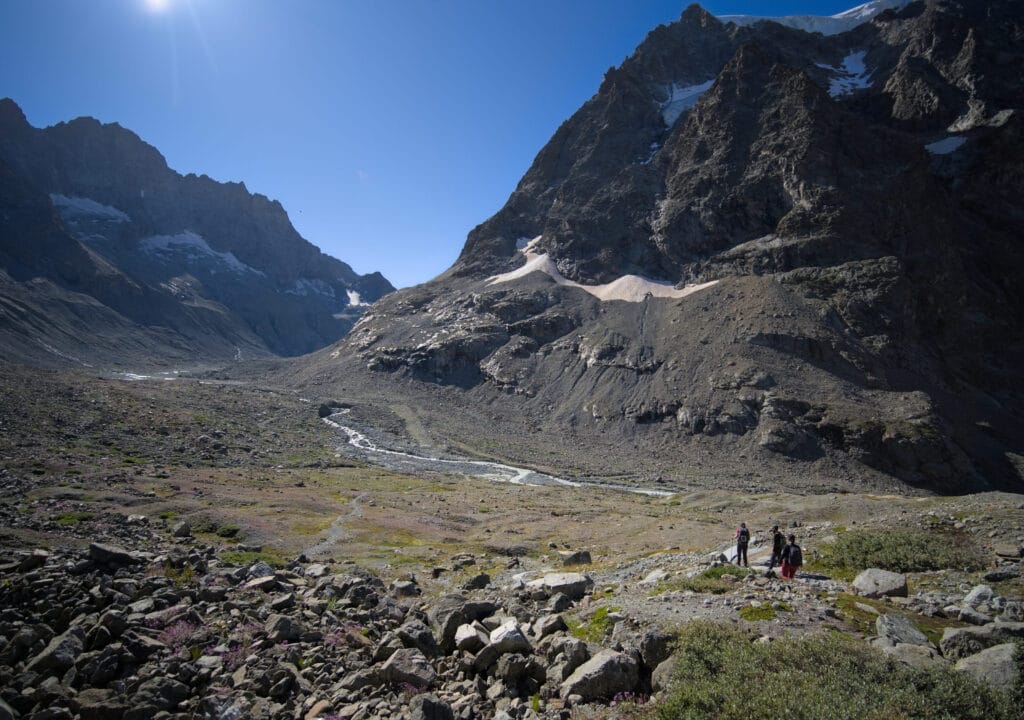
(228, 531)
(595, 628)
(167, 515)
(721, 674)
(74, 517)
(270, 556)
(910, 550)
(712, 580)
(752, 613)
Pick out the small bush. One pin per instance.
(909, 550)
(721, 674)
(228, 531)
(72, 518)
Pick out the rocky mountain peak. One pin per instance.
(781, 241)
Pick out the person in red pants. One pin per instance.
(792, 558)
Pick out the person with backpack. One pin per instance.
(742, 540)
(778, 542)
(792, 558)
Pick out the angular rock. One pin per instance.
(918, 656)
(899, 629)
(875, 583)
(112, 555)
(405, 588)
(973, 617)
(655, 648)
(548, 625)
(572, 585)
(60, 654)
(978, 595)
(477, 582)
(415, 634)
(575, 557)
(994, 665)
(409, 665)
(181, 530)
(471, 637)
(1009, 550)
(958, 643)
(281, 628)
(603, 676)
(662, 676)
(509, 638)
(429, 707)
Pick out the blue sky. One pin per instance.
(388, 129)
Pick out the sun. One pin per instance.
(157, 5)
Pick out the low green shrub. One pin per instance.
(244, 557)
(721, 674)
(905, 550)
(711, 580)
(595, 629)
(74, 517)
(228, 531)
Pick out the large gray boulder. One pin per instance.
(978, 595)
(875, 583)
(918, 656)
(430, 707)
(899, 629)
(411, 666)
(572, 585)
(994, 665)
(958, 643)
(509, 638)
(603, 676)
(60, 654)
(113, 555)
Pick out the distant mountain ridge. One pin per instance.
(195, 267)
(840, 216)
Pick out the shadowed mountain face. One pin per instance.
(847, 211)
(110, 257)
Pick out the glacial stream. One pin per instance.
(361, 447)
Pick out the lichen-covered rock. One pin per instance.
(603, 676)
(875, 583)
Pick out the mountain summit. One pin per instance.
(109, 257)
(756, 255)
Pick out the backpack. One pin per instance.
(744, 535)
(796, 556)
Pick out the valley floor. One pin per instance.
(255, 475)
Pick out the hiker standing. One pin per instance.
(778, 542)
(742, 540)
(792, 558)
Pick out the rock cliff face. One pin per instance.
(96, 225)
(755, 246)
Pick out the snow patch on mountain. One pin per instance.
(80, 208)
(851, 76)
(629, 288)
(682, 98)
(946, 145)
(355, 299)
(826, 25)
(194, 249)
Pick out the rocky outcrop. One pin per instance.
(848, 240)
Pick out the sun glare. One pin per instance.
(157, 5)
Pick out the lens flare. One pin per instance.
(157, 5)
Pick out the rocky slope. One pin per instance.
(101, 239)
(755, 248)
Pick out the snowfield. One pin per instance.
(80, 208)
(628, 288)
(195, 248)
